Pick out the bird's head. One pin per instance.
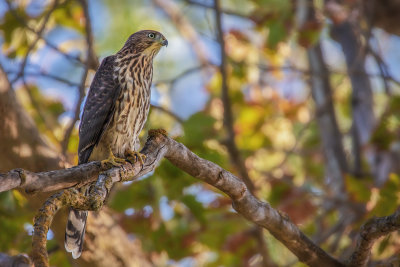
(147, 42)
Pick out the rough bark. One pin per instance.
(369, 233)
(20, 260)
(22, 146)
(260, 213)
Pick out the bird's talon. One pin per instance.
(133, 157)
(112, 161)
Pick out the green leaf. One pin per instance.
(388, 199)
(358, 189)
(277, 33)
(71, 16)
(197, 129)
(137, 195)
(195, 207)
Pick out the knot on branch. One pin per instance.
(20, 173)
(157, 132)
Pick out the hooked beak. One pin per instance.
(165, 42)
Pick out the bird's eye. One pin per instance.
(151, 35)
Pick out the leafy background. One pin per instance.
(179, 221)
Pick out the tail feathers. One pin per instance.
(75, 232)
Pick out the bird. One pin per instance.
(114, 114)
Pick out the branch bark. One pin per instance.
(369, 233)
(20, 260)
(244, 202)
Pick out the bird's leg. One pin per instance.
(112, 161)
(133, 156)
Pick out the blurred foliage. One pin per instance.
(172, 214)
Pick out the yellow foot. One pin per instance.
(133, 156)
(112, 161)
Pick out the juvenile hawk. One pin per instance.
(114, 114)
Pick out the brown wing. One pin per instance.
(99, 108)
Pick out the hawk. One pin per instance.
(114, 114)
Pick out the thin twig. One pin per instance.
(185, 28)
(21, 72)
(293, 149)
(38, 108)
(91, 59)
(169, 112)
(181, 75)
(228, 117)
(39, 34)
(46, 75)
(70, 128)
(225, 11)
(48, 43)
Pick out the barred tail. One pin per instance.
(75, 232)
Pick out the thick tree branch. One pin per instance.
(21, 260)
(261, 213)
(249, 206)
(49, 180)
(369, 233)
(244, 202)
